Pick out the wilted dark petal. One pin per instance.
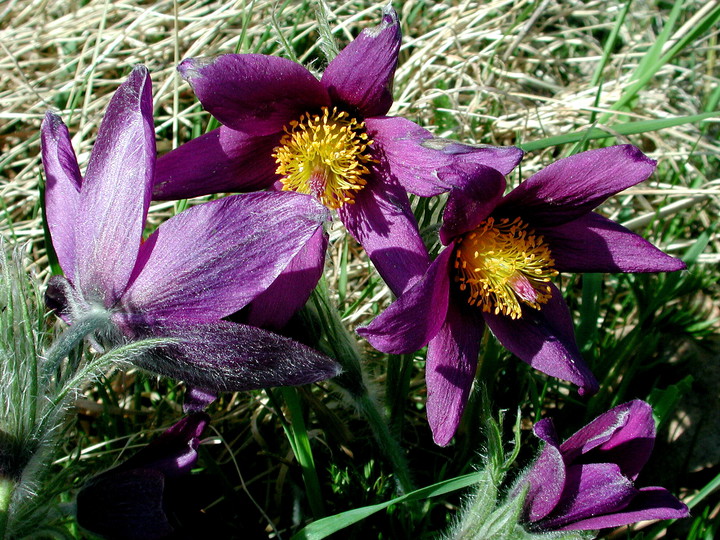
(275, 306)
(58, 297)
(545, 339)
(546, 477)
(593, 243)
(470, 204)
(253, 93)
(624, 435)
(174, 452)
(223, 160)
(450, 370)
(212, 259)
(62, 189)
(648, 503)
(590, 490)
(382, 221)
(229, 357)
(572, 187)
(361, 75)
(410, 322)
(124, 504)
(116, 192)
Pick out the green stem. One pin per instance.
(7, 487)
(342, 346)
(71, 338)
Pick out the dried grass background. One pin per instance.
(505, 71)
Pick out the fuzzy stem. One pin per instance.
(71, 338)
(7, 487)
(353, 380)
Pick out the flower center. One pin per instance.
(324, 155)
(502, 264)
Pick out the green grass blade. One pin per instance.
(329, 525)
(628, 128)
(297, 434)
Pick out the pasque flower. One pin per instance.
(502, 252)
(196, 268)
(329, 138)
(129, 501)
(587, 481)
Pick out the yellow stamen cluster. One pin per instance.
(502, 263)
(324, 155)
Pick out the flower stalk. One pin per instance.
(353, 381)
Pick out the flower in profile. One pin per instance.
(587, 482)
(328, 138)
(129, 501)
(502, 252)
(196, 268)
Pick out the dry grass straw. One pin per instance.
(504, 70)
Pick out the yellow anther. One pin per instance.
(501, 264)
(324, 155)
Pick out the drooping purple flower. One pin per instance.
(129, 500)
(329, 138)
(196, 268)
(587, 482)
(502, 252)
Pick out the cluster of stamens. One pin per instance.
(503, 263)
(325, 155)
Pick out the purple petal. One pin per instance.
(229, 357)
(116, 193)
(273, 308)
(401, 145)
(212, 259)
(471, 204)
(410, 322)
(545, 339)
(546, 477)
(649, 503)
(174, 452)
(62, 189)
(382, 221)
(197, 399)
(124, 504)
(223, 160)
(450, 370)
(590, 489)
(624, 435)
(253, 93)
(501, 158)
(361, 75)
(572, 187)
(593, 243)
(427, 166)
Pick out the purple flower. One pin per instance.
(129, 501)
(329, 138)
(198, 267)
(587, 481)
(502, 252)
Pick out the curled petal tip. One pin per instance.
(390, 16)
